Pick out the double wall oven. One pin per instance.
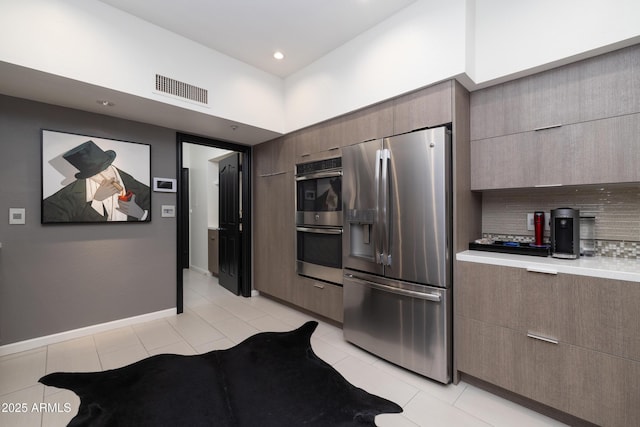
(319, 219)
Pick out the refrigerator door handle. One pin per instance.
(376, 226)
(394, 290)
(386, 256)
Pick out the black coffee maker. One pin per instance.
(565, 233)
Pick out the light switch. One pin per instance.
(168, 211)
(16, 215)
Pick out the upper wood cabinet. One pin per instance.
(594, 152)
(596, 88)
(369, 123)
(274, 157)
(574, 125)
(327, 139)
(428, 107)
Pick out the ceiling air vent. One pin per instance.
(181, 89)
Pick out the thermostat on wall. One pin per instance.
(164, 185)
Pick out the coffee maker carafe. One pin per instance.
(565, 233)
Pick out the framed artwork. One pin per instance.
(93, 180)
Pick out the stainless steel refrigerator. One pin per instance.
(397, 249)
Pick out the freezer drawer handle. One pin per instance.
(541, 338)
(398, 291)
(320, 230)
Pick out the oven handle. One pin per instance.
(394, 290)
(316, 175)
(320, 230)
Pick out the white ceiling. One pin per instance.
(252, 30)
(248, 30)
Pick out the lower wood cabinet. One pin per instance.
(319, 297)
(567, 341)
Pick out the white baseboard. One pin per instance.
(89, 330)
(200, 270)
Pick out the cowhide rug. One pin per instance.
(270, 379)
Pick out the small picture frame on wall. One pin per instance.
(86, 179)
(164, 185)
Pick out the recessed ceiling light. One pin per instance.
(278, 55)
(105, 103)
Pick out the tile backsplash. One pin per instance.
(615, 207)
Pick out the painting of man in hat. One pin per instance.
(99, 191)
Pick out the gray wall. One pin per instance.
(55, 278)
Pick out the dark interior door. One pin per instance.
(230, 232)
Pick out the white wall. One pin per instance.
(196, 158)
(422, 44)
(92, 42)
(213, 195)
(479, 41)
(514, 36)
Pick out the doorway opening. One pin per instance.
(214, 202)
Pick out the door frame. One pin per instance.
(181, 211)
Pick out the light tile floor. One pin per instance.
(215, 319)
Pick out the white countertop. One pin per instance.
(604, 267)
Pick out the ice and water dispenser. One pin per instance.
(361, 223)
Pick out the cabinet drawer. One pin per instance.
(602, 315)
(603, 389)
(510, 297)
(590, 312)
(594, 386)
(513, 361)
(322, 298)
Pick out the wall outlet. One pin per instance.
(531, 226)
(17, 216)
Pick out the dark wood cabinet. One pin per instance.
(273, 218)
(573, 125)
(562, 340)
(596, 88)
(327, 139)
(595, 152)
(428, 107)
(319, 297)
